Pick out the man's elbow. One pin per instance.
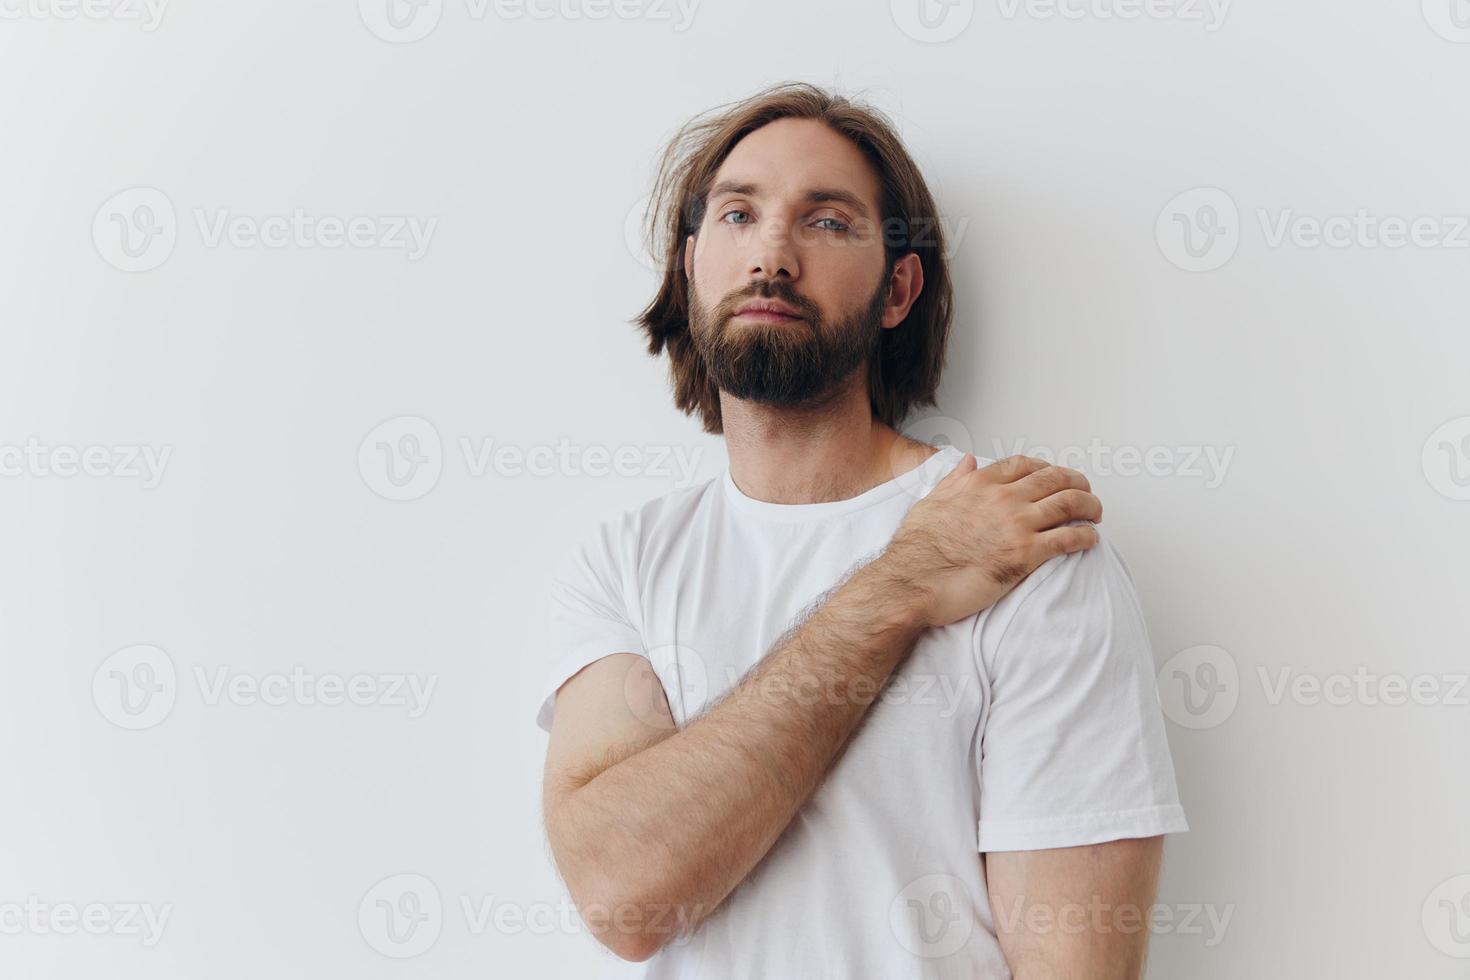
(629, 930)
(635, 948)
(632, 929)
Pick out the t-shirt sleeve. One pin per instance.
(593, 607)
(1073, 748)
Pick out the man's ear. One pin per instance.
(904, 286)
(689, 258)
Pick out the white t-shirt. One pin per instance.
(1033, 724)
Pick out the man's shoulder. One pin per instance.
(624, 533)
(1081, 596)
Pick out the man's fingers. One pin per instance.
(1012, 468)
(1071, 504)
(1065, 540)
(1048, 480)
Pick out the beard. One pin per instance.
(788, 364)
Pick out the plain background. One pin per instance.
(1333, 830)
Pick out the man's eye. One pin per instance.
(841, 225)
(736, 211)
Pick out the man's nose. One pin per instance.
(773, 254)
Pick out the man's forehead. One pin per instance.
(807, 159)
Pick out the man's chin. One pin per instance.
(804, 397)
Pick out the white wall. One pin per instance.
(1331, 540)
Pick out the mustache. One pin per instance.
(769, 289)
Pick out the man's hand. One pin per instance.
(981, 531)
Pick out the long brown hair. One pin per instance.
(905, 374)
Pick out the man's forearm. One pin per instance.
(675, 827)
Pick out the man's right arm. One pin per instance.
(652, 835)
(652, 828)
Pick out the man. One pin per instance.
(856, 707)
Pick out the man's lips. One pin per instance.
(766, 316)
(768, 312)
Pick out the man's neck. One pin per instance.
(833, 451)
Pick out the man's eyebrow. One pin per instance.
(815, 195)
